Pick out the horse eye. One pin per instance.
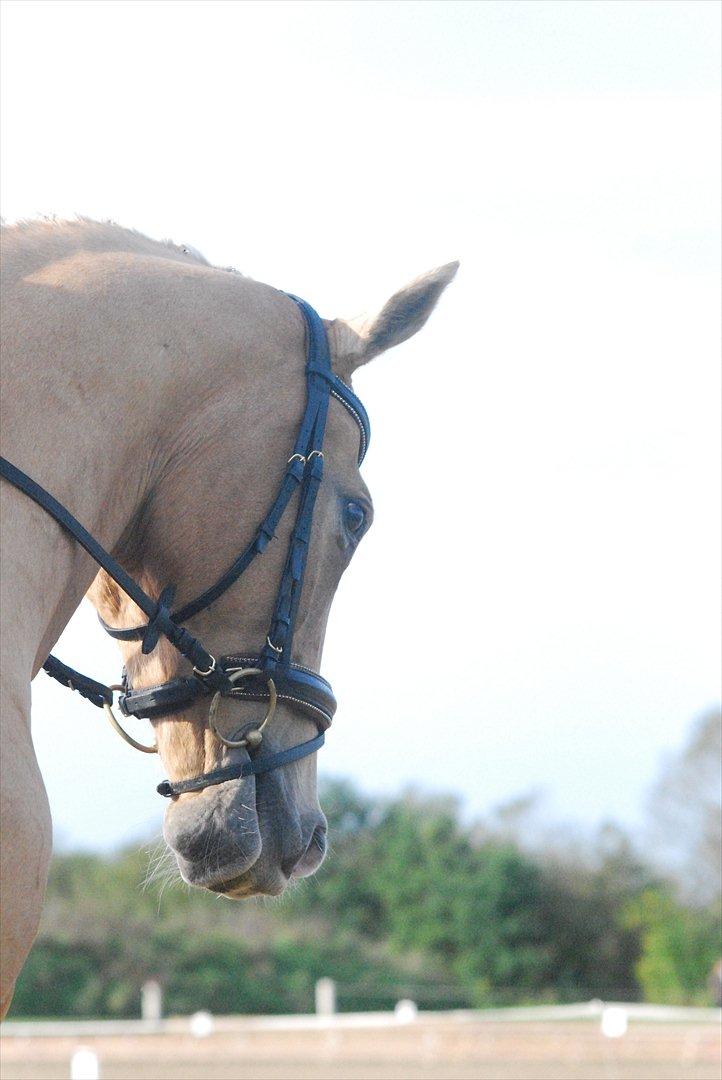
(354, 517)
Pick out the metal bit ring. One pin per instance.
(235, 675)
(108, 710)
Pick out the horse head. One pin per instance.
(225, 448)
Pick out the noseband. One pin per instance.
(270, 676)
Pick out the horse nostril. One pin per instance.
(312, 857)
(318, 839)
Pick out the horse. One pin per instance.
(156, 397)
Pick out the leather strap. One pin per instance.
(255, 767)
(298, 686)
(322, 381)
(156, 611)
(97, 692)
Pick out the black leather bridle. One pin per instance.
(271, 675)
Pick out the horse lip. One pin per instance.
(232, 884)
(216, 882)
(240, 888)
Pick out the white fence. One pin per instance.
(590, 1010)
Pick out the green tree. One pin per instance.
(411, 902)
(679, 948)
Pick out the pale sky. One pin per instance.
(537, 605)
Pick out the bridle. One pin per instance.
(270, 676)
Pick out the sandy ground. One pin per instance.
(419, 1051)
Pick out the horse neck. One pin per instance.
(86, 394)
(76, 442)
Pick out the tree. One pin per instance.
(679, 948)
(685, 811)
(411, 902)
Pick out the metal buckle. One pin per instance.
(211, 669)
(254, 737)
(108, 710)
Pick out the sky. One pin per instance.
(537, 606)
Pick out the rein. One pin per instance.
(270, 676)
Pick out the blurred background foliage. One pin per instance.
(412, 901)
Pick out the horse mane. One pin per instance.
(53, 237)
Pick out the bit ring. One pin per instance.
(235, 675)
(108, 710)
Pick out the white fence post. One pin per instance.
(84, 1064)
(202, 1024)
(325, 997)
(151, 1001)
(614, 1021)
(406, 1011)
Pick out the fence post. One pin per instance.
(406, 1011)
(325, 997)
(614, 1021)
(202, 1024)
(84, 1064)
(151, 1001)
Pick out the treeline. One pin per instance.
(411, 902)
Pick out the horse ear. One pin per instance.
(356, 341)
